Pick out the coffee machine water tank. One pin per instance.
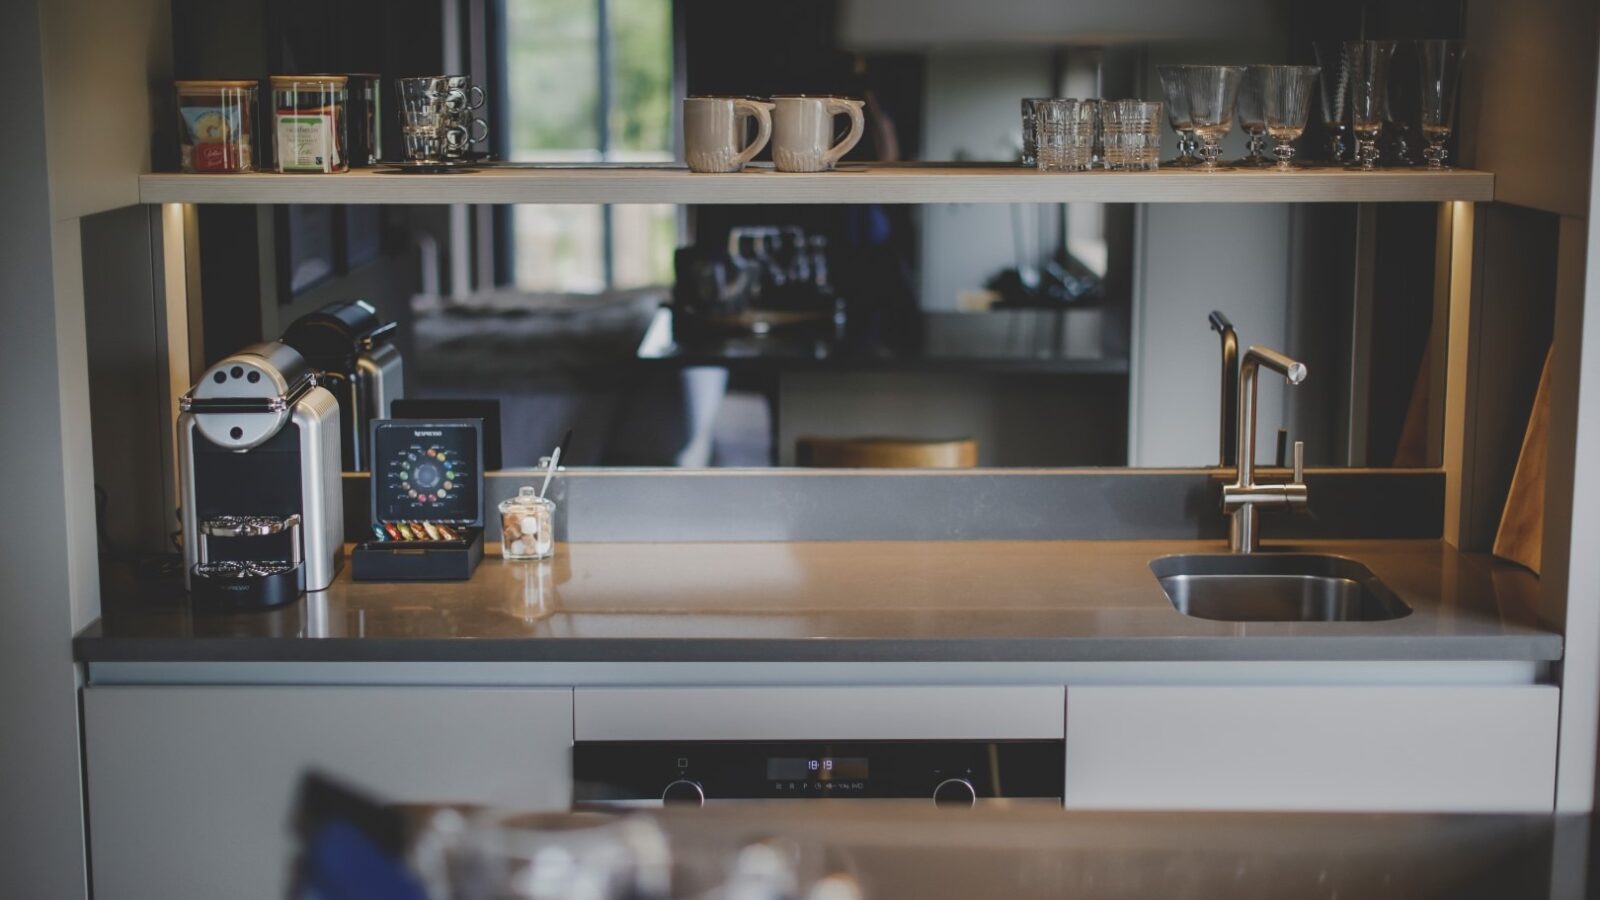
(263, 512)
(352, 350)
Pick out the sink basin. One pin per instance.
(1272, 587)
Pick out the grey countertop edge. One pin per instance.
(1532, 646)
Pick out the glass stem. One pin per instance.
(1284, 151)
(1435, 154)
(1367, 152)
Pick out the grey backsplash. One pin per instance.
(995, 504)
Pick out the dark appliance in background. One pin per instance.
(633, 774)
(352, 351)
(768, 280)
(263, 509)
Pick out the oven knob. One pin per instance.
(955, 792)
(683, 793)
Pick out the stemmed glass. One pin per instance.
(1173, 88)
(1439, 64)
(1212, 92)
(1286, 104)
(1368, 95)
(1252, 116)
(1335, 63)
(1400, 109)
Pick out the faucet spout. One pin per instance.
(1244, 499)
(1227, 430)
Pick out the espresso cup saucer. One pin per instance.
(430, 166)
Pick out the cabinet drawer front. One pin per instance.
(812, 713)
(191, 788)
(1427, 749)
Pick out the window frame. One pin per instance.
(497, 53)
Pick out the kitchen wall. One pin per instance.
(80, 74)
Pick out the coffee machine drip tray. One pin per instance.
(241, 576)
(234, 584)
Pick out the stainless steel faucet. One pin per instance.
(1244, 499)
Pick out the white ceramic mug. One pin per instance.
(802, 132)
(714, 130)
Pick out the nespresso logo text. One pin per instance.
(428, 433)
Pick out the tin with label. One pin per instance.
(310, 123)
(215, 125)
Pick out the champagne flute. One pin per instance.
(1439, 65)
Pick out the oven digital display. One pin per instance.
(816, 768)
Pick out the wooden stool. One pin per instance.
(885, 453)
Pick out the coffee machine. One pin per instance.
(263, 512)
(353, 353)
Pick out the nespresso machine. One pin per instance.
(263, 512)
(352, 351)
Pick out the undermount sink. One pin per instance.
(1274, 587)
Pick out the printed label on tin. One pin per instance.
(216, 142)
(305, 143)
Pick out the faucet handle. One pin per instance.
(1299, 462)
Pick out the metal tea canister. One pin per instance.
(527, 526)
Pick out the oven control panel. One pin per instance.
(948, 773)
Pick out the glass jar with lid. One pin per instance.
(309, 122)
(527, 526)
(216, 125)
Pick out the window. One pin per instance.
(590, 81)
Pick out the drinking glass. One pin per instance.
(1097, 147)
(1335, 64)
(1176, 92)
(1401, 109)
(428, 109)
(1286, 104)
(1030, 139)
(1368, 95)
(1252, 115)
(1213, 92)
(466, 98)
(1132, 134)
(1439, 64)
(1065, 135)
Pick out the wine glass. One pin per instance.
(1369, 95)
(1176, 92)
(1252, 117)
(1335, 65)
(1213, 91)
(1286, 104)
(1439, 64)
(1401, 113)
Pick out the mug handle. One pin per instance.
(455, 101)
(760, 112)
(457, 138)
(852, 108)
(476, 98)
(481, 135)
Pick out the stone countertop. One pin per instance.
(990, 601)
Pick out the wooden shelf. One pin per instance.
(863, 183)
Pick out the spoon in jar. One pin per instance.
(555, 460)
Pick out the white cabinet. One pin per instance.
(984, 713)
(1426, 749)
(190, 788)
